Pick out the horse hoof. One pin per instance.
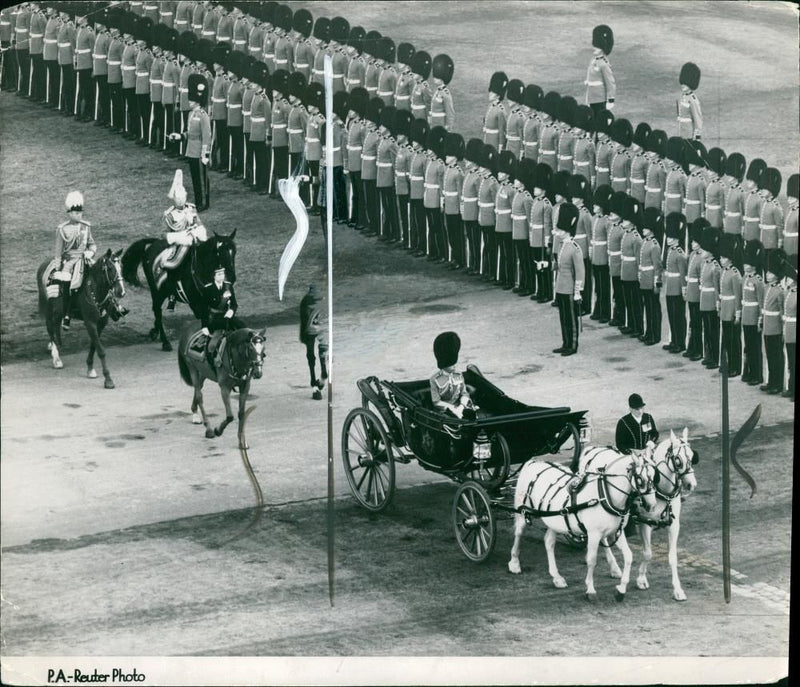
(642, 584)
(109, 384)
(152, 335)
(618, 595)
(166, 346)
(196, 419)
(91, 374)
(210, 434)
(58, 364)
(679, 596)
(514, 567)
(317, 395)
(559, 583)
(591, 597)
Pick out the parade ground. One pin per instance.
(123, 527)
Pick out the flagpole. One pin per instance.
(328, 82)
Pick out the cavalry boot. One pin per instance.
(171, 304)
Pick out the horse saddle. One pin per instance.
(168, 259)
(203, 348)
(52, 279)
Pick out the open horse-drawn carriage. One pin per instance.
(397, 422)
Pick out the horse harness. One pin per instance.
(667, 515)
(234, 374)
(108, 305)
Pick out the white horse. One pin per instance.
(595, 510)
(673, 459)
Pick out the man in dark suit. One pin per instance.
(637, 429)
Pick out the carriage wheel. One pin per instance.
(494, 471)
(474, 523)
(568, 445)
(368, 460)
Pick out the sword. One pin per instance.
(96, 99)
(77, 92)
(150, 124)
(30, 77)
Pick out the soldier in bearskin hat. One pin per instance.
(494, 121)
(584, 152)
(675, 180)
(615, 234)
(259, 114)
(790, 223)
(144, 62)
(694, 199)
(690, 117)
(772, 314)
(771, 217)
(169, 90)
(100, 68)
(691, 294)
(733, 209)
(369, 166)
(340, 59)
(236, 67)
(441, 111)
(730, 304)
(601, 87)
(219, 109)
(515, 121)
(790, 318)
(631, 247)
(354, 76)
(520, 226)
(402, 166)
(549, 130)
(469, 205)
(622, 134)
(84, 42)
(432, 199)
(452, 183)
(753, 290)
(340, 109)
(651, 274)
(321, 36)
(155, 124)
(507, 172)
(676, 264)
(569, 279)
(66, 42)
(710, 273)
(754, 183)
(296, 129)
(532, 98)
(421, 90)
(656, 176)
(279, 83)
(384, 181)
(374, 66)
(304, 50)
(387, 80)
(448, 390)
(487, 192)
(418, 135)
(284, 46)
(355, 129)
(566, 139)
(598, 253)
(130, 53)
(405, 78)
(541, 233)
(580, 195)
(559, 190)
(639, 161)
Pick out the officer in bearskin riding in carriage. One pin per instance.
(74, 246)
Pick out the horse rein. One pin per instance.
(670, 460)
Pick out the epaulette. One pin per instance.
(83, 221)
(679, 249)
(63, 224)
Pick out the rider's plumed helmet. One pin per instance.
(74, 201)
(446, 347)
(177, 192)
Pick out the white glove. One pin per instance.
(229, 313)
(609, 106)
(175, 137)
(458, 411)
(205, 331)
(650, 444)
(576, 296)
(683, 292)
(205, 159)
(88, 255)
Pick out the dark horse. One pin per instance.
(94, 304)
(185, 281)
(242, 361)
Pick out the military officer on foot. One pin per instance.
(690, 117)
(441, 111)
(198, 140)
(773, 313)
(494, 122)
(569, 279)
(601, 87)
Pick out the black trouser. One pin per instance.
(568, 316)
(236, 135)
(455, 238)
(488, 253)
(773, 346)
(200, 184)
(523, 260)
(618, 302)
(170, 127)
(313, 172)
(371, 205)
(101, 98)
(38, 77)
(597, 108)
(219, 150)
(652, 309)
(24, 64)
(403, 210)
(357, 216)
(732, 343)
(544, 275)
(280, 166)
(602, 293)
(790, 353)
(435, 233)
(505, 253)
(155, 135)
(142, 123)
(419, 223)
(339, 194)
(472, 235)
(586, 291)
(633, 307)
(67, 88)
(84, 101)
(753, 370)
(695, 345)
(129, 123)
(297, 167)
(710, 320)
(8, 77)
(676, 314)
(53, 82)
(260, 162)
(389, 229)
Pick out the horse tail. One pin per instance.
(183, 366)
(41, 289)
(134, 257)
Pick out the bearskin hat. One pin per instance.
(755, 171)
(473, 150)
(507, 164)
(356, 38)
(622, 132)
(753, 255)
(435, 141)
(280, 82)
(340, 30)
(341, 103)
(775, 260)
(603, 122)
(709, 239)
(186, 42)
(402, 122)
(204, 53)
(515, 90)
(675, 149)
(198, 89)
(793, 186)
(550, 104)
(314, 96)
(632, 211)
(526, 170)
(442, 68)
(268, 12)
(143, 29)
(386, 49)
(602, 197)
(584, 118)
(220, 52)
(696, 230)
(690, 76)
(374, 108)
(716, 161)
(302, 21)
(772, 181)
(359, 97)
(322, 29)
(283, 17)
(618, 201)
(657, 142)
(653, 220)
(730, 246)
(641, 135)
(735, 166)
(532, 96)
(603, 38)
(675, 226)
(446, 347)
(418, 131)
(454, 146)
(542, 177)
(498, 84)
(568, 218)
(560, 184)
(236, 63)
(789, 267)
(297, 85)
(405, 53)
(692, 155)
(579, 188)
(489, 158)
(567, 109)
(259, 73)
(371, 43)
(421, 64)
(387, 118)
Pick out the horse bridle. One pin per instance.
(105, 264)
(676, 463)
(253, 357)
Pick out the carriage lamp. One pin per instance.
(586, 433)
(481, 447)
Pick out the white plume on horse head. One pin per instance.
(177, 192)
(74, 201)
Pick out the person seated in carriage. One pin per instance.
(220, 316)
(74, 246)
(448, 389)
(183, 225)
